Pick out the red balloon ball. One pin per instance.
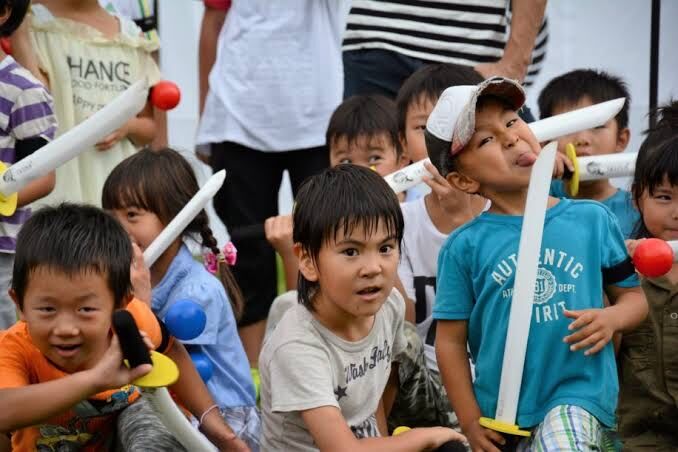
(6, 45)
(653, 257)
(165, 95)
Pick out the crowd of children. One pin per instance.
(397, 307)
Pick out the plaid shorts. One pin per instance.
(569, 428)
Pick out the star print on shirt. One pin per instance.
(340, 392)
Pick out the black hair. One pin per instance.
(73, 239)
(337, 201)
(367, 116)
(163, 182)
(18, 10)
(428, 83)
(599, 86)
(657, 159)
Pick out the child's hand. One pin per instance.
(140, 276)
(631, 245)
(483, 439)
(442, 435)
(233, 445)
(595, 328)
(279, 234)
(111, 373)
(112, 138)
(562, 163)
(447, 195)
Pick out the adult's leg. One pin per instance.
(248, 197)
(304, 163)
(376, 71)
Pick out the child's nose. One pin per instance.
(65, 327)
(371, 266)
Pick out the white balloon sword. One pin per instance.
(72, 143)
(520, 315)
(544, 130)
(597, 167)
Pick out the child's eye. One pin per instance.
(374, 159)
(131, 214)
(663, 197)
(511, 122)
(46, 309)
(386, 249)
(345, 161)
(421, 127)
(484, 141)
(350, 252)
(88, 309)
(600, 127)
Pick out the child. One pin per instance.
(567, 397)
(363, 131)
(583, 88)
(89, 57)
(27, 123)
(145, 192)
(61, 374)
(326, 365)
(647, 403)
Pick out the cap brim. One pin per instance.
(506, 89)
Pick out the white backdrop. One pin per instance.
(613, 35)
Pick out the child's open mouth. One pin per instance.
(67, 350)
(369, 292)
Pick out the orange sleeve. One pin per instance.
(14, 362)
(146, 321)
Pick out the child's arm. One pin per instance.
(32, 404)
(455, 371)
(39, 188)
(212, 21)
(594, 328)
(193, 394)
(278, 232)
(140, 130)
(331, 433)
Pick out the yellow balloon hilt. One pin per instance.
(8, 204)
(573, 185)
(401, 429)
(164, 373)
(503, 427)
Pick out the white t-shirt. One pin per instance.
(303, 366)
(418, 267)
(278, 75)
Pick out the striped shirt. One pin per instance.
(464, 32)
(26, 111)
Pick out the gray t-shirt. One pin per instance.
(303, 365)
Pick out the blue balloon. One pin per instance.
(203, 365)
(185, 320)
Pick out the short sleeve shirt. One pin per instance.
(304, 365)
(476, 271)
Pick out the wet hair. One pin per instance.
(657, 160)
(570, 88)
(428, 83)
(365, 116)
(163, 182)
(73, 239)
(338, 200)
(18, 10)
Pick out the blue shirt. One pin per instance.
(476, 270)
(231, 383)
(620, 204)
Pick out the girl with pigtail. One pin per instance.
(145, 192)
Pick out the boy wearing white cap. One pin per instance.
(569, 388)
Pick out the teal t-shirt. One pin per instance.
(476, 270)
(621, 205)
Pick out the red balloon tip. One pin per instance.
(653, 257)
(165, 95)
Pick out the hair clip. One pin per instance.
(228, 255)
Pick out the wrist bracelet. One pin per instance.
(205, 413)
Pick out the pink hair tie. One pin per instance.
(229, 255)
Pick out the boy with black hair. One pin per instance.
(62, 378)
(325, 368)
(569, 388)
(363, 130)
(582, 88)
(27, 122)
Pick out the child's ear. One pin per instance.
(307, 265)
(15, 299)
(463, 182)
(405, 156)
(623, 138)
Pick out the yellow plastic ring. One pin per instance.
(503, 427)
(573, 186)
